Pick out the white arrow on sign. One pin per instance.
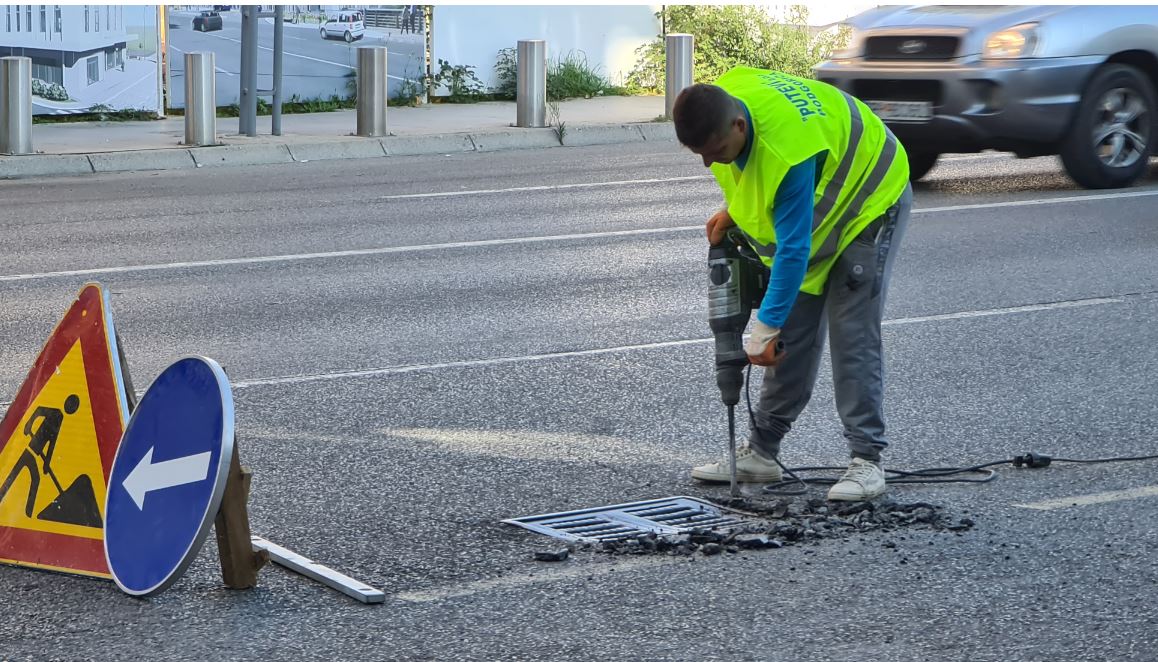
(147, 477)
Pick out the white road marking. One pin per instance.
(578, 571)
(336, 254)
(1147, 193)
(304, 57)
(1003, 311)
(549, 187)
(1091, 499)
(295, 257)
(398, 370)
(215, 67)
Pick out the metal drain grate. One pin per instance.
(661, 516)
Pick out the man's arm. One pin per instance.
(792, 218)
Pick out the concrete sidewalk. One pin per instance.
(91, 147)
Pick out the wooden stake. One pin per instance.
(239, 563)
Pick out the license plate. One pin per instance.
(902, 111)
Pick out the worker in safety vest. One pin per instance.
(820, 188)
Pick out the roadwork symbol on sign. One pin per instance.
(57, 444)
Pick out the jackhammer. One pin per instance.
(737, 282)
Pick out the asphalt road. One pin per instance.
(421, 347)
(314, 67)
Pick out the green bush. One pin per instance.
(567, 78)
(50, 91)
(407, 93)
(460, 80)
(572, 77)
(507, 73)
(735, 35)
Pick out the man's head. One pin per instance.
(710, 122)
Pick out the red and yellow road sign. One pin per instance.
(57, 444)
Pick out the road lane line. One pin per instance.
(181, 72)
(579, 571)
(1004, 311)
(547, 187)
(304, 57)
(1040, 201)
(295, 257)
(1091, 499)
(350, 253)
(398, 370)
(550, 356)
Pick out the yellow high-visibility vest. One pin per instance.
(794, 119)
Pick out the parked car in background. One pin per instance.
(1077, 81)
(347, 25)
(207, 21)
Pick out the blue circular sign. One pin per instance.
(168, 476)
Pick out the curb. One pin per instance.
(49, 165)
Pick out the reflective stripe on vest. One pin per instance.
(876, 176)
(836, 184)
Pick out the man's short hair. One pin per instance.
(702, 112)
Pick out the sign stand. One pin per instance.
(243, 554)
(239, 562)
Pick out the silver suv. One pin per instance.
(1077, 81)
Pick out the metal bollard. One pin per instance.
(16, 106)
(680, 48)
(531, 88)
(200, 99)
(372, 93)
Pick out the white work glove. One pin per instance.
(764, 347)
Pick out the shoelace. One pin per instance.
(859, 473)
(744, 452)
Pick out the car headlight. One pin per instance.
(852, 40)
(1017, 41)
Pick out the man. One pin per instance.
(819, 187)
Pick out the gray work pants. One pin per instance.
(851, 308)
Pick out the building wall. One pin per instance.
(104, 26)
(64, 38)
(607, 35)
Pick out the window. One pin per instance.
(47, 72)
(28, 17)
(16, 8)
(86, 18)
(94, 70)
(109, 17)
(9, 15)
(44, 19)
(96, 20)
(56, 14)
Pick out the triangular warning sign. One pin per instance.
(57, 444)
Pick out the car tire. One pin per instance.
(1112, 135)
(920, 163)
(349, 37)
(324, 35)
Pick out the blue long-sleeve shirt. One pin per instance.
(792, 220)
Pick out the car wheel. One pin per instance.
(1110, 141)
(920, 163)
(349, 37)
(324, 35)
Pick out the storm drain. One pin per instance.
(670, 516)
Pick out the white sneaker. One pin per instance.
(862, 481)
(751, 467)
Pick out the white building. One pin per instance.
(70, 45)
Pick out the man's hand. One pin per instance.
(718, 225)
(764, 347)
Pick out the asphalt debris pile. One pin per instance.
(782, 522)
